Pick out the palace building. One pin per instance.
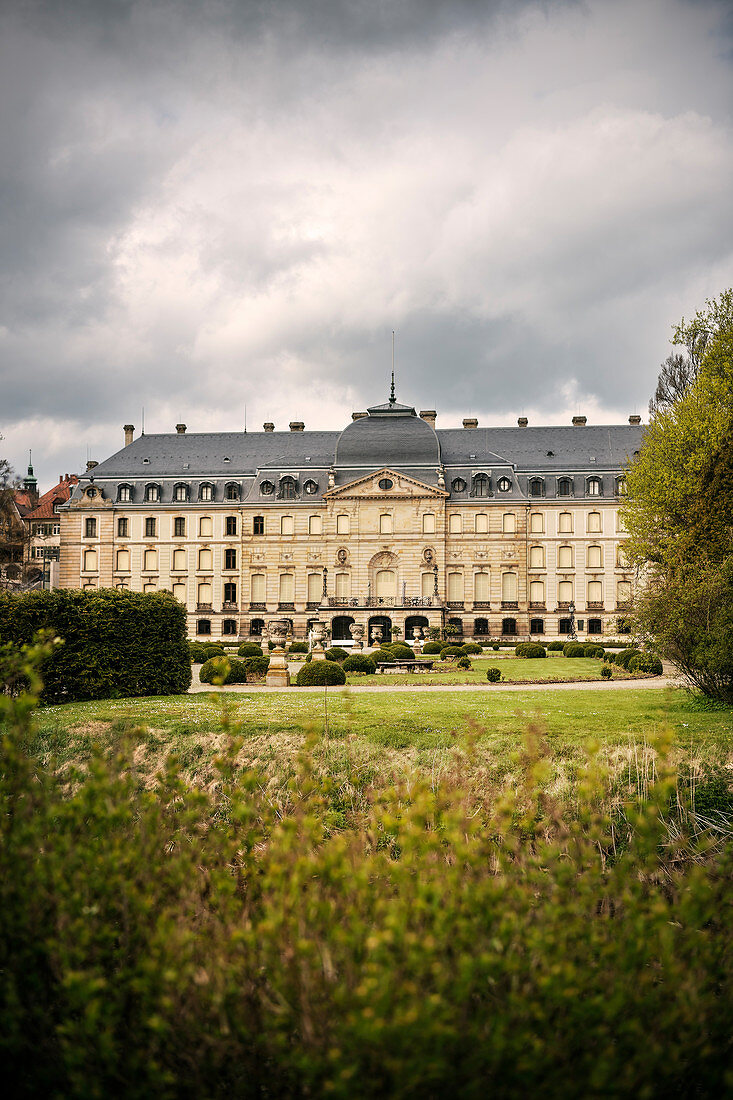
(390, 522)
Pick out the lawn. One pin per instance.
(540, 670)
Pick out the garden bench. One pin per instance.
(408, 666)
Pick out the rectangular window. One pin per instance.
(427, 585)
(455, 524)
(149, 528)
(565, 592)
(315, 525)
(455, 588)
(342, 525)
(595, 524)
(537, 557)
(620, 523)
(122, 563)
(124, 494)
(594, 557)
(179, 560)
(537, 593)
(230, 558)
(623, 592)
(621, 559)
(287, 525)
(509, 523)
(179, 591)
(287, 588)
(90, 528)
(509, 587)
(595, 592)
(258, 588)
(123, 528)
(565, 523)
(204, 594)
(481, 588)
(150, 560)
(315, 587)
(482, 524)
(206, 527)
(206, 493)
(385, 524)
(206, 563)
(565, 557)
(258, 525)
(537, 523)
(428, 523)
(230, 592)
(342, 585)
(179, 527)
(230, 525)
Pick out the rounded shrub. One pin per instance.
(645, 662)
(256, 666)
(493, 675)
(530, 649)
(463, 662)
(495, 647)
(213, 650)
(319, 673)
(336, 654)
(403, 652)
(223, 670)
(249, 649)
(298, 647)
(592, 650)
(555, 647)
(360, 662)
(384, 656)
(196, 652)
(574, 649)
(431, 647)
(471, 647)
(623, 658)
(606, 672)
(449, 651)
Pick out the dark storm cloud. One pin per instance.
(204, 205)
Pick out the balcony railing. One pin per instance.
(313, 605)
(455, 605)
(563, 605)
(509, 605)
(230, 605)
(537, 606)
(481, 605)
(258, 607)
(204, 607)
(382, 601)
(594, 605)
(286, 607)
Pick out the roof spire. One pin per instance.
(392, 397)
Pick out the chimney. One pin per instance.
(358, 416)
(522, 421)
(128, 430)
(634, 419)
(91, 464)
(297, 426)
(181, 429)
(470, 423)
(429, 416)
(269, 427)
(579, 421)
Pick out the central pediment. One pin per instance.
(374, 487)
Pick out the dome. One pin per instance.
(389, 435)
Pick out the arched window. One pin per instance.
(204, 595)
(230, 595)
(594, 557)
(565, 557)
(458, 485)
(594, 594)
(288, 488)
(536, 487)
(256, 627)
(229, 626)
(508, 588)
(594, 487)
(563, 627)
(565, 593)
(386, 581)
(482, 523)
(152, 493)
(536, 523)
(537, 594)
(621, 559)
(179, 561)
(230, 558)
(230, 525)
(231, 492)
(310, 487)
(564, 487)
(595, 626)
(315, 525)
(481, 588)
(258, 525)
(481, 486)
(150, 560)
(428, 523)
(180, 492)
(286, 590)
(504, 485)
(179, 591)
(537, 557)
(206, 491)
(509, 523)
(206, 560)
(206, 527)
(509, 626)
(267, 488)
(565, 523)
(537, 626)
(623, 593)
(179, 527)
(621, 489)
(455, 523)
(124, 494)
(150, 586)
(203, 626)
(594, 523)
(123, 561)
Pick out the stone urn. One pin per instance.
(377, 634)
(357, 630)
(277, 673)
(417, 640)
(318, 630)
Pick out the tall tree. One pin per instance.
(679, 371)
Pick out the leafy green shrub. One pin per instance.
(116, 643)
(249, 649)
(606, 672)
(224, 670)
(196, 653)
(431, 647)
(493, 675)
(471, 647)
(596, 651)
(360, 662)
(530, 649)
(450, 651)
(298, 647)
(625, 656)
(211, 649)
(403, 653)
(555, 647)
(256, 667)
(336, 654)
(495, 647)
(463, 662)
(384, 657)
(645, 662)
(574, 649)
(320, 673)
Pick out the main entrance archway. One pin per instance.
(386, 624)
(413, 623)
(340, 628)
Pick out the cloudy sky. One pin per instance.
(213, 204)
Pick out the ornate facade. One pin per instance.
(391, 523)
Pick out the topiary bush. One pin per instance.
(623, 658)
(463, 662)
(645, 662)
(431, 647)
(298, 647)
(360, 662)
(223, 670)
(196, 653)
(471, 647)
(449, 651)
(606, 672)
(530, 649)
(574, 649)
(495, 647)
(384, 657)
(592, 650)
(493, 675)
(213, 650)
(249, 649)
(336, 654)
(319, 673)
(403, 652)
(256, 667)
(115, 643)
(555, 647)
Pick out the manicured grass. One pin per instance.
(540, 670)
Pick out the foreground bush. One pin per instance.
(645, 662)
(573, 649)
(493, 675)
(360, 662)
(115, 643)
(336, 653)
(448, 652)
(530, 649)
(402, 652)
(223, 670)
(555, 647)
(592, 650)
(320, 673)
(431, 647)
(625, 656)
(256, 667)
(187, 943)
(196, 653)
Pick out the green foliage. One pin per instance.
(592, 650)
(320, 673)
(336, 654)
(606, 672)
(212, 649)
(115, 643)
(463, 662)
(224, 670)
(384, 657)
(449, 651)
(493, 675)
(256, 667)
(471, 647)
(555, 647)
(249, 649)
(403, 652)
(530, 649)
(360, 662)
(645, 662)
(431, 647)
(495, 647)
(196, 652)
(624, 658)
(573, 649)
(298, 647)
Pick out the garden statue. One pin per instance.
(356, 630)
(277, 673)
(318, 633)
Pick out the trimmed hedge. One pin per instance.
(249, 649)
(623, 658)
(431, 647)
(471, 647)
(530, 649)
(449, 651)
(298, 647)
(555, 647)
(196, 652)
(592, 650)
(606, 672)
(463, 662)
(256, 666)
(360, 662)
(318, 673)
(493, 675)
(116, 643)
(645, 662)
(223, 670)
(403, 652)
(336, 654)
(574, 649)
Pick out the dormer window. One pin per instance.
(124, 494)
(458, 485)
(181, 492)
(232, 491)
(481, 486)
(536, 487)
(206, 491)
(594, 487)
(288, 488)
(504, 485)
(310, 487)
(621, 486)
(565, 487)
(267, 488)
(152, 494)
